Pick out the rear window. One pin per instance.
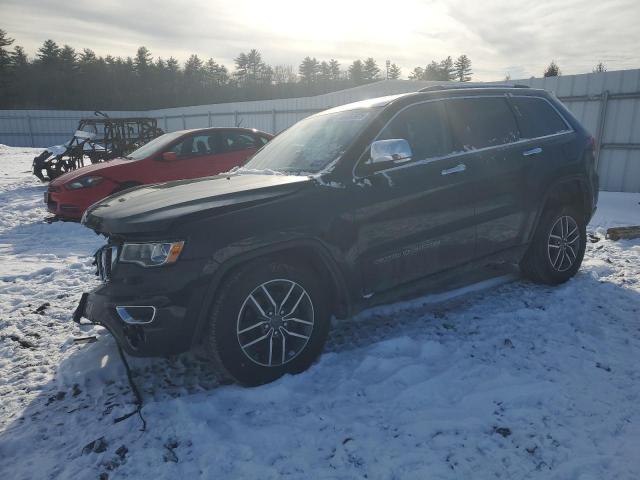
(481, 122)
(537, 118)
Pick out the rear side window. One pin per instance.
(239, 141)
(196, 145)
(424, 127)
(537, 118)
(481, 122)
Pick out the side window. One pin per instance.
(481, 122)
(197, 145)
(424, 127)
(235, 141)
(536, 117)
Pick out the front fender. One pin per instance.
(218, 270)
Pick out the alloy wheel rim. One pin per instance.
(275, 322)
(563, 243)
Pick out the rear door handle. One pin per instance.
(533, 151)
(461, 167)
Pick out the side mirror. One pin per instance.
(395, 150)
(169, 156)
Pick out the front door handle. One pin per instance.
(461, 167)
(533, 151)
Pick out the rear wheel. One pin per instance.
(269, 319)
(557, 249)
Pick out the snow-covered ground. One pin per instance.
(501, 380)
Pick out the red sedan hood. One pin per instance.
(95, 169)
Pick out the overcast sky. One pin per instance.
(500, 36)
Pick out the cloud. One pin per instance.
(499, 36)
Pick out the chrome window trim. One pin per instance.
(428, 160)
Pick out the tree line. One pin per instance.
(63, 77)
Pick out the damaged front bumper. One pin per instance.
(144, 327)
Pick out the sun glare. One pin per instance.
(332, 23)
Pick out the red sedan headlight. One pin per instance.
(84, 182)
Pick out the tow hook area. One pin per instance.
(134, 335)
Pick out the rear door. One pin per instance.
(238, 147)
(547, 146)
(415, 218)
(485, 129)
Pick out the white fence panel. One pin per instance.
(607, 104)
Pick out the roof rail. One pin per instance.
(435, 88)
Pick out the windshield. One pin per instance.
(311, 144)
(154, 146)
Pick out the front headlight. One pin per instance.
(84, 182)
(151, 254)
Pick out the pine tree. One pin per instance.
(255, 66)
(49, 53)
(173, 65)
(143, 61)
(217, 75)
(446, 69)
(334, 66)
(87, 57)
(356, 72)
(434, 72)
(370, 70)
(417, 74)
(68, 59)
(241, 67)
(5, 57)
(463, 68)
(324, 71)
(19, 57)
(251, 70)
(394, 72)
(5, 66)
(193, 67)
(552, 70)
(308, 70)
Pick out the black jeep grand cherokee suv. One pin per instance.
(354, 206)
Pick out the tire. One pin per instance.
(555, 233)
(253, 343)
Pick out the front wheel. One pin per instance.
(557, 249)
(269, 319)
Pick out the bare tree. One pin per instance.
(600, 68)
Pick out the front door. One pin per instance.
(415, 218)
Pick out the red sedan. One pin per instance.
(173, 156)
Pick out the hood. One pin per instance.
(153, 208)
(93, 169)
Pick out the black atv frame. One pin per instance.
(97, 139)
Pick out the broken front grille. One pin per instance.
(105, 259)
